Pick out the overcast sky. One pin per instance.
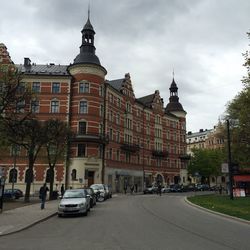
(202, 40)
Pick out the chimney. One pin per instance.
(201, 130)
(27, 62)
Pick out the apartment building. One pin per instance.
(117, 138)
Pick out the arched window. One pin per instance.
(13, 176)
(73, 174)
(29, 174)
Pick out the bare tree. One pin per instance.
(57, 134)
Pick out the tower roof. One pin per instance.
(174, 104)
(87, 48)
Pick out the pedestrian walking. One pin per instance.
(136, 187)
(159, 188)
(125, 188)
(132, 189)
(62, 190)
(42, 195)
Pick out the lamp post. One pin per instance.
(14, 176)
(229, 162)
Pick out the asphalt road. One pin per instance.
(135, 222)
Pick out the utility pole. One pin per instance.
(229, 162)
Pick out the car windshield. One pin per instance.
(96, 186)
(73, 194)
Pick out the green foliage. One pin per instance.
(206, 162)
(238, 110)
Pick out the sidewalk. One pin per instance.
(17, 219)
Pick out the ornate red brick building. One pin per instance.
(118, 138)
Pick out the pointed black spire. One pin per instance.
(173, 104)
(87, 49)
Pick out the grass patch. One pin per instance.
(238, 207)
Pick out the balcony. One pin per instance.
(159, 154)
(90, 137)
(185, 157)
(130, 147)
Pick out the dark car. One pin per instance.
(92, 196)
(109, 189)
(150, 190)
(176, 188)
(12, 194)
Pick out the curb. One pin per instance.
(216, 213)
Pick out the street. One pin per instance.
(135, 222)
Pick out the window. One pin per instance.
(35, 106)
(54, 106)
(111, 134)
(118, 155)
(101, 91)
(118, 136)
(82, 128)
(83, 109)
(73, 175)
(15, 150)
(20, 106)
(81, 150)
(83, 87)
(29, 175)
(118, 102)
(110, 153)
(36, 88)
(13, 176)
(118, 119)
(101, 110)
(21, 88)
(55, 87)
(49, 175)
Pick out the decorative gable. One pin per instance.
(157, 102)
(127, 88)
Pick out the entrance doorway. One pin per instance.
(91, 175)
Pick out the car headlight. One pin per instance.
(81, 205)
(61, 206)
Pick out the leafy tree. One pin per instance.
(29, 134)
(206, 162)
(57, 133)
(238, 113)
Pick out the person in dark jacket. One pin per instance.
(42, 195)
(62, 190)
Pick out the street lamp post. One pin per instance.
(14, 176)
(229, 162)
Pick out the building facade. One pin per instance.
(117, 138)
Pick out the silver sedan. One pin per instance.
(74, 201)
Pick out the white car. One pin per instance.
(74, 201)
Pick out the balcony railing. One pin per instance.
(90, 137)
(130, 147)
(159, 154)
(185, 157)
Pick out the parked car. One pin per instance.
(101, 189)
(12, 194)
(109, 189)
(165, 189)
(74, 201)
(202, 187)
(92, 196)
(176, 188)
(150, 190)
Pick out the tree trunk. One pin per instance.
(51, 183)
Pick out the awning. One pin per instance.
(242, 178)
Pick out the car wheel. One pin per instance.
(85, 213)
(59, 215)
